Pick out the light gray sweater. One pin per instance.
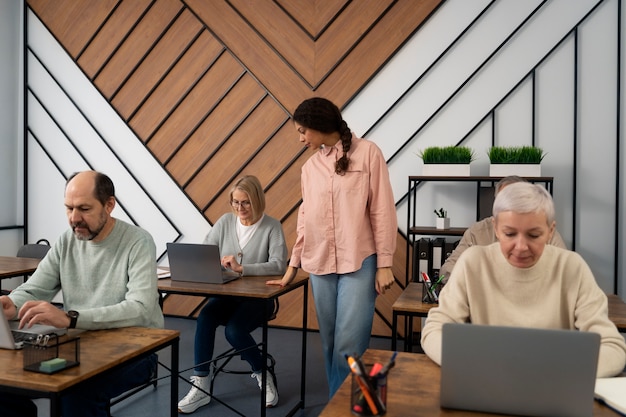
(265, 253)
(112, 283)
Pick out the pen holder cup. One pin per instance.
(430, 292)
(368, 396)
(52, 355)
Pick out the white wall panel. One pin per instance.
(597, 145)
(555, 102)
(11, 121)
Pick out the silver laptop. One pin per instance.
(191, 262)
(13, 338)
(520, 371)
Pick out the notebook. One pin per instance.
(612, 392)
(191, 262)
(12, 338)
(520, 371)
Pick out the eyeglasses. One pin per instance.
(236, 204)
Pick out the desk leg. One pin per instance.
(394, 331)
(305, 312)
(264, 373)
(408, 337)
(55, 405)
(174, 378)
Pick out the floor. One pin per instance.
(239, 390)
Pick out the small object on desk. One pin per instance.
(369, 389)
(52, 365)
(431, 291)
(612, 392)
(50, 355)
(163, 273)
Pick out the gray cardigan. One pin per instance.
(265, 253)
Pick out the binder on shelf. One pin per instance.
(437, 257)
(448, 248)
(421, 256)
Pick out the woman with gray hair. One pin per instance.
(482, 233)
(521, 281)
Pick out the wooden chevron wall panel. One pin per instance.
(208, 85)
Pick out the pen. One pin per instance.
(389, 364)
(376, 369)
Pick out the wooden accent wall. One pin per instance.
(209, 85)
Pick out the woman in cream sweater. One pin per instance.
(522, 281)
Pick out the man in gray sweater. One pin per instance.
(106, 269)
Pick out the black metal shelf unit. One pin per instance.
(484, 191)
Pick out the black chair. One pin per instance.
(34, 250)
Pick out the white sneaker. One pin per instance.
(271, 394)
(195, 398)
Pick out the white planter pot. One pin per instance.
(443, 223)
(522, 170)
(446, 170)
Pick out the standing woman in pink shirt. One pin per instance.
(347, 229)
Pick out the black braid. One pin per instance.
(341, 166)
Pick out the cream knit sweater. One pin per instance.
(558, 292)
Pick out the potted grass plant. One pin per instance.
(447, 160)
(524, 161)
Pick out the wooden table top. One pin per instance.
(617, 311)
(410, 301)
(413, 390)
(247, 286)
(100, 350)
(12, 266)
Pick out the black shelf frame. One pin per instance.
(481, 182)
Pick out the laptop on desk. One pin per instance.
(13, 338)
(519, 371)
(191, 262)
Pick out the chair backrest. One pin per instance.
(34, 250)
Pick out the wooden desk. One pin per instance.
(101, 351)
(251, 287)
(617, 312)
(12, 266)
(410, 305)
(413, 390)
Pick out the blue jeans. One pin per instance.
(345, 312)
(90, 398)
(240, 316)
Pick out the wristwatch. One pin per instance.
(73, 315)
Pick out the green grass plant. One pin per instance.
(515, 155)
(447, 155)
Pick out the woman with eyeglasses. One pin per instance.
(251, 243)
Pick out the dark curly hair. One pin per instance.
(322, 115)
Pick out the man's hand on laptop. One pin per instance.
(42, 312)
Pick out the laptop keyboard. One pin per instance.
(22, 336)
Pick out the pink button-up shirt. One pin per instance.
(343, 219)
